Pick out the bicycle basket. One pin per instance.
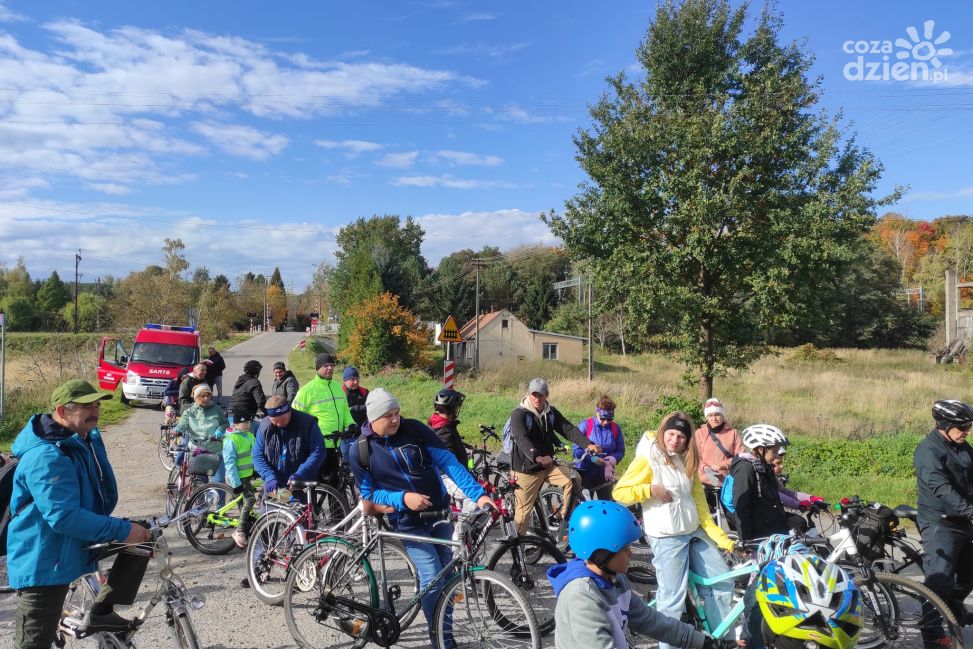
(204, 464)
(874, 529)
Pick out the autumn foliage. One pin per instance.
(383, 333)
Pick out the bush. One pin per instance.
(670, 402)
(384, 333)
(808, 353)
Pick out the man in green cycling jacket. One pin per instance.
(324, 399)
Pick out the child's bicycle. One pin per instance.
(168, 446)
(219, 513)
(171, 593)
(334, 600)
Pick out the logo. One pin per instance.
(916, 58)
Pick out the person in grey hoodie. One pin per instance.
(285, 383)
(595, 602)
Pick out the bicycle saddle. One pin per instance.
(302, 484)
(906, 511)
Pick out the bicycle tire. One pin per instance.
(183, 632)
(642, 576)
(476, 611)
(269, 553)
(401, 572)
(172, 491)
(209, 537)
(332, 567)
(330, 506)
(878, 609)
(166, 458)
(532, 577)
(920, 612)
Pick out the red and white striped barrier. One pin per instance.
(303, 343)
(449, 374)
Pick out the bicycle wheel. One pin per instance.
(268, 553)
(166, 458)
(329, 506)
(879, 611)
(924, 619)
(510, 559)
(323, 580)
(171, 491)
(211, 532)
(642, 576)
(183, 633)
(482, 608)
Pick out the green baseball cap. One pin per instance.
(76, 391)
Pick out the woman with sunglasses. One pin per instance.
(597, 471)
(944, 470)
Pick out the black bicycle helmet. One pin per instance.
(449, 398)
(950, 413)
(252, 367)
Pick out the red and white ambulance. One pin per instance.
(159, 352)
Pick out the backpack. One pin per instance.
(507, 439)
(726, 495)
(6, 493)
(589, 425)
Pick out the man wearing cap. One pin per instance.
(534, 427)
(402, 471)
(324, 399)
(717, 442)
(64, 492)
(186, 388)
(285, 383)
(356, 394)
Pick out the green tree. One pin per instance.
(538, 302)
(17, 282)
(716, 190)
(21, 313)
(92, 312)
(53, 294)
(356, 279)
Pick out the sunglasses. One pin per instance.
(965, 428)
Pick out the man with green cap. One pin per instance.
(323, 397)
(64, 490)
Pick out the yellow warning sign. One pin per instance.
(450, 332)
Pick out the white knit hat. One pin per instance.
(713, 406)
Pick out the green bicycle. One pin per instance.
(220, 512)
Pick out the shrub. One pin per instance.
(670, 402)
(808, 353)
(384, 333)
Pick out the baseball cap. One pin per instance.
(537, 385)
(77, 391)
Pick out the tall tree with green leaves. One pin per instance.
(53, 294)
(716, 190)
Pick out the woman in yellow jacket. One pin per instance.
(663, 479)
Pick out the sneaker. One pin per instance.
(104, 622)
(245, 583)
(240, 538)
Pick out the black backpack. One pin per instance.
(6, 493)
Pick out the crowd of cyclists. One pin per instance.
(681, 481)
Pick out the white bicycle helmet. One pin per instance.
(763, 435)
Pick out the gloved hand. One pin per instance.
(817, 499)
(716, 643)
(804, 505)
(270, 486)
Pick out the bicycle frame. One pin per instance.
(695, 581)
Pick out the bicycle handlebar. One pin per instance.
(434, 514)
(155, 525)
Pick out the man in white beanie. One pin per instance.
(397, 464)
(717, 442)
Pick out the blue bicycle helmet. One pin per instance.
(778, 546)
(601, 525)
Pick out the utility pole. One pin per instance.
(77, 262)
(476, 349)
(591, 349)
(98, 307)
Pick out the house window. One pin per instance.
(504, 323)
(550, 351)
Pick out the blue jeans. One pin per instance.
(429, 560)
(673, 558)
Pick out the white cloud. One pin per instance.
(447, 233)
(490, 50)
(479, 17)
(962, 192)
(242, 141)
(351, 147)
(110, 188)
(463, 158)
(451, 183)
(402, 160)
(10, 16)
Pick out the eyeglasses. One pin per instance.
(965, 428)
(607, 418)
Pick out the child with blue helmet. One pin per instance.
(595, 602)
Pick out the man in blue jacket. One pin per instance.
(401, 472)
(64, 490)
(288, 447)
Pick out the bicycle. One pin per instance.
(211, 531)
(346, 606)
(169, 441)
(171, 593)
(284, 530)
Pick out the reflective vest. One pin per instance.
(242, 446)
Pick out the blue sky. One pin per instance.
(254, 130)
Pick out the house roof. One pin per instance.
(468, 330)
(551, 333)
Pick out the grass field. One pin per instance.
(38, 362)
(854, 422)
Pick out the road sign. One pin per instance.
(449, 374)
(450, 332)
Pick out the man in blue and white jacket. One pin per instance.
(400, 472)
